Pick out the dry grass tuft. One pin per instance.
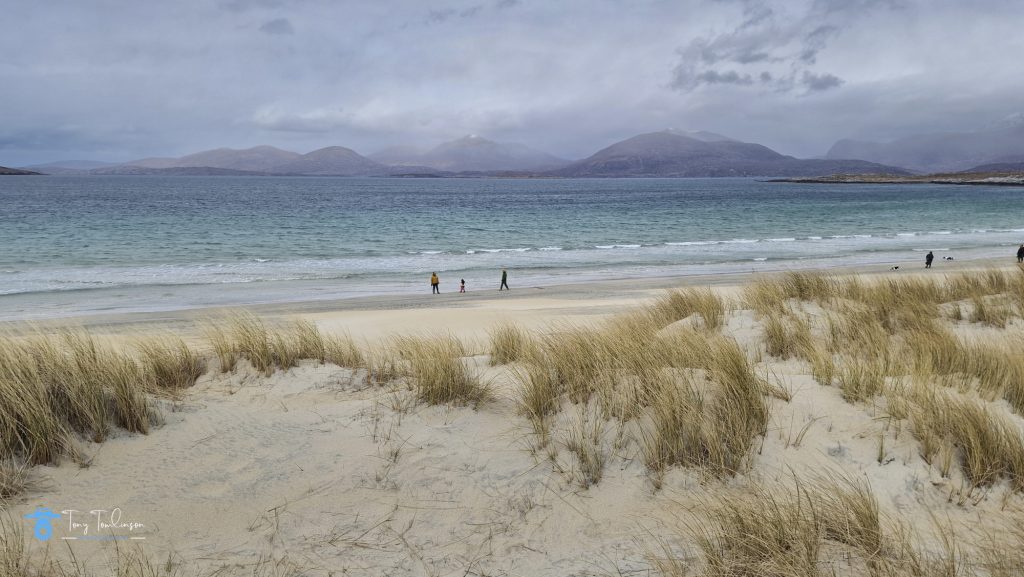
(989, 446)
(54, 386)
(511, 343)
(585, 440)
(861, 380)
(438, 373)
(342, 351)
(14, 480)
(766, 533)
(676, 305)
(170, 363)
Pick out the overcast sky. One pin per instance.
(117, 80)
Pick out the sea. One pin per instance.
(88, 245)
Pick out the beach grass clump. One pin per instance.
(808, 286)
(245, 336)
(53, 386)
(223, 345)
(736, 411)
(990, 311)
(851, 515)
(674, 433)
(169, 362)
(309, 342)
(577, 357)
(14, 480)
(765, 533)
(538, 397)
(861, 380)
(676, 305)
(585, 440)
(765, 297)
(437, 372)
(341, 350)
(249, 339)
(989, 445)
(510, 343)
(787, 336)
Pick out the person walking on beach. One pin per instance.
(462, 286)
(504, 281)
(1020, 253)
(928, 258)
(434, 283)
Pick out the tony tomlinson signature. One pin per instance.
(99, 521)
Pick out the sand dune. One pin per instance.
(314, 470)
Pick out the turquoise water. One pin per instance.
(85, 244)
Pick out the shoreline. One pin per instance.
(379, 315)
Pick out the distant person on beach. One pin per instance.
(504, 281)
(1020, 253)
(462, 286)
(434, 283)
(928, 258)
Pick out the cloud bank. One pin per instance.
(117, 80)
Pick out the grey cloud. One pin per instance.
(278, 26)
(246, 5)
(819, 82)
(727, 77)
(569, 76)
(445, 14)
(774, 41)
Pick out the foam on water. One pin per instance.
(164, 242)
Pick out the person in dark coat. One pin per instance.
(504, 281)
(1020, 253)
(928, 258)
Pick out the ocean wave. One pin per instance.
(612, 246)
(783, 239)
(494, 250)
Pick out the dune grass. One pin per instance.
(509, 344)
(438, 373)
(170, 362)
(678, 304)
(52, 387)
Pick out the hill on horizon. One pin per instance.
(471, 153)
(942, 151)
(671, 153)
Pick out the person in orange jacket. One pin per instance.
(434, 284)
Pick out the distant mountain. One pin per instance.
(701, 135)
(400, 155)
(332, 161)
(68, 167)
(671, 153)
(15, 171)
(258, 159)
(944, 151)
(998, 167)
(129, 170)
(472, 154)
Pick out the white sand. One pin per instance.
(312, 470)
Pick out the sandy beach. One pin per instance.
(314, 470)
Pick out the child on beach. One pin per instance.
(462, 286)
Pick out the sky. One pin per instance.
(116, 80)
